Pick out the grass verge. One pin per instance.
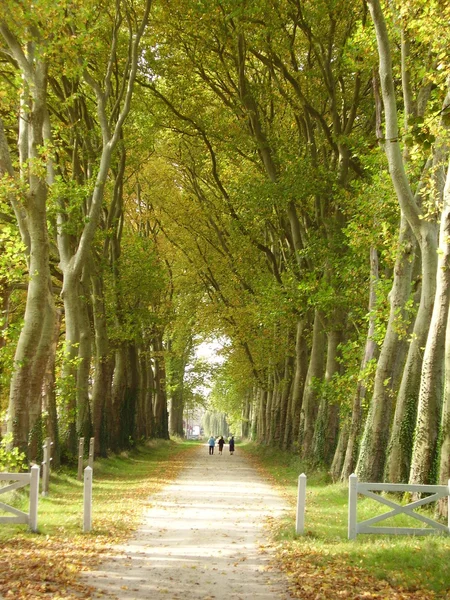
(324, 565)
(46, 565)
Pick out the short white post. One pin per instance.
(87, 504)
(352, 508)
(46, 467)
(34, 495)
(80, 458)
(301, 502)
(91, 453)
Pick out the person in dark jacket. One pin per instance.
(221, 443)
(231, 444)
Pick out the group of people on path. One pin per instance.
(220, 443)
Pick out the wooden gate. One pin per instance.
(21, 480)
(368, 489)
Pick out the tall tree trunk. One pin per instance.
(274, 433)
(327, 422)
(309, 408)
(150, 399)
(301, 370)
(371, 461)
(160, 400)
(401, 441)
(370, 348)
(127, 432)
(444, 462)
(286, 393)
(34, 342)
(49, 395)
(269, 404)
(246, 416)
(424, 457)
(84, 420)
(336, 469)
(72, 310)
(101, 388)
(176, 411)
(141, 423)
(262, 411)
(118, 391)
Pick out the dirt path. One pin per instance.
(200, 538)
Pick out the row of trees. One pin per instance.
(279, 180)
(87, 358)
(215, 424)
(310, 146)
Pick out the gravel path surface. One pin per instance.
(200, 538)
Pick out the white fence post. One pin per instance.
(301, 502)
(80, 458)
(87, 512)
(34, 495)
(352, 505)
(91, 453)
(46, 467)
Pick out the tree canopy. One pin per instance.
(274, 174)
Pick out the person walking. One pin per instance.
(211, 444)
(231, 445)
(221, 443)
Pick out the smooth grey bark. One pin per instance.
(36, 376)
(274, 415)
(286, 384)
(425, 449)
(141, 416)
(262, 404)
(101, 387)
(310, 400)
(340, 452)
(128, 410)
(423, 229)
(178, 350)
(354, 428)
(254, 399)
(176, 407)
(401, 441)
(371, 460)
(444, 460)
(269, 403)
(49, 395)
(301, 370)
(72, 309)
(84, 418)
(327, 422)
(246, 416)
(160, 399)
(34, 342)
(74, 260)
(118, 389)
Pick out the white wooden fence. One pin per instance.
(21, 480)
(368, 489)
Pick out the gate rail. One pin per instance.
(367, 489)
(21, 480)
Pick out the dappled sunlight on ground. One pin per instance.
(201, 537)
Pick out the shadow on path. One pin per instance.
(200, 538)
